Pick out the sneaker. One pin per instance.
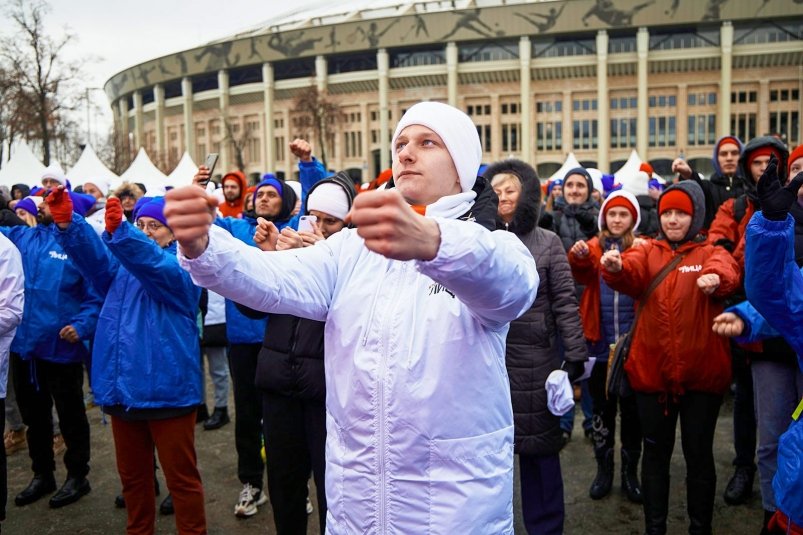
(15, 441)
(250, 499)
(309, 506)
(58, 444)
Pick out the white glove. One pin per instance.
(559, 393)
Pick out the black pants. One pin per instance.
(603, 432)
(698, 412)
(38, 384)
(295, 443)
(248, 413)
(744, 413)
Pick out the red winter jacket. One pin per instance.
(674, 348)
(725, 228)
(585, 271)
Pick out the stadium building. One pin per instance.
(540, 79)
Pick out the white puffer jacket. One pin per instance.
(419, 420)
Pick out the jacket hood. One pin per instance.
(234, 208)
(693, 190)
(341, 179)
(757, 143)
(715, 157)
(634, 202)
(528, 207)
(21, 187)
(129, 188)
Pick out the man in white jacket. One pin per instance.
(419, 421)
(12, 299)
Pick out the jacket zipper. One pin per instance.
(615, 316)
(373, 307)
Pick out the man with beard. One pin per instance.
(49, 352)
(234, 185)
(273, 200)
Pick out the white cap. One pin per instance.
(457, 131)
(329, 198)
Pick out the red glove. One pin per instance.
(114, 214)
(60, 205)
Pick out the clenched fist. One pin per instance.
(612, 261)
(728, 324)
(708, 283)
(190, 211)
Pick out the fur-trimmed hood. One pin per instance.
(529, 205)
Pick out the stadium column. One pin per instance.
(138, 134)
(365, 148)
(383, 68)
(267, 99)
(525, 55)
(642, 133)
(451, 72)
(603, 103)
(726, 47)
(763, 120)
(225, 147)
(123, 106)
(159, 99)
(682, 129)
(189, 124)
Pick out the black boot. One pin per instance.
(203, 413)
(601, 486)
(166, 507)
(40, 485)
(740, 487)
(219, 418)
(630, 483)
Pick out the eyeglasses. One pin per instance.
(153, 226)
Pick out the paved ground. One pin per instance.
(95, 514)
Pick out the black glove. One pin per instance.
(573, 369)
(776, 200)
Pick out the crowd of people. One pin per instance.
(399, 344)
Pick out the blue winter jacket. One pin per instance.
(146, 347)
(773, 281)
(241, 329)
(56, 295)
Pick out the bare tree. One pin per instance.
(316, 110)
(238, 140)
(114, 150)
(41, 77)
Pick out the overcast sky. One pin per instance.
(122, 34)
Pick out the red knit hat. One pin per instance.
(677, 199)
(647, 168)
(621, 202)
(762, 151)
(728, 139)
(796, 154)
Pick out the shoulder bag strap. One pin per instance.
(654, 284)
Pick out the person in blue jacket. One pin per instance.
(774, 309)
(146, 374)
(49, 351)
(274, 201)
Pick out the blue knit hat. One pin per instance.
(269, 179)
(154, 208)
(28, 205)
(81, 202)
(139, 204)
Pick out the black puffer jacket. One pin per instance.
(532, 352)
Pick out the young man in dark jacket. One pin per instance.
(724, 183)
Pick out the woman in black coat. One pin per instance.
(532, 346)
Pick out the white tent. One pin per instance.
(89, 167)
(22, 167)
(183, 173)
(570, 163)
(143, 171)
(630, 179)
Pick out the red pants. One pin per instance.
(174, 439)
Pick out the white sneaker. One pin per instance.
(309, 506)
(250, 499)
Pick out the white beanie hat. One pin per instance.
(56, 174)
(629, 197)
(101, 183)
(457, 131)
(296, 185)
(329, 198)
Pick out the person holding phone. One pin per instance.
(417, 301)
(273, 201)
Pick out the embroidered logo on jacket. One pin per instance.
(55, 255)
(436, 288)
(690, 269)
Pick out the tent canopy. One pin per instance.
(22, 167)
(144, 172)
(183, 173)
(570, 163)
(89, 167)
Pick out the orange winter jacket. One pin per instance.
(585, 271)
(673, 348)
(234, 209)
(725, 229)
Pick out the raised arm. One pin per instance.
(88, 253)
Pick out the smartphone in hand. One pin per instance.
(305, 223)
(210, 163)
